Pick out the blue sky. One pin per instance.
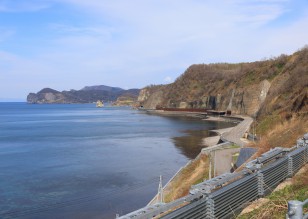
(69, 44)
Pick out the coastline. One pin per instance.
(175, 113)
(199, 165)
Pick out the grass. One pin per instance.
(192, 174)
(250, 78)
(277, 204)
(267, 123)
(234, 146)
(277, 132)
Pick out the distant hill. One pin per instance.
(88, 94)
(102, 87)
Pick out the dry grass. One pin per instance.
(192, 174)
(276, 205)
(282, 134)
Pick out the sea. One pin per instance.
(79, 161)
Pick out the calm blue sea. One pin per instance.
(79, 161)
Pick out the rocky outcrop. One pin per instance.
(46, 95)
(244, 100)
(150, 97)
(244, 88)
(86, 95)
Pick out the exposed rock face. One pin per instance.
(244, 88)
(126, 99)
(150, 97)
(85, 95)
(247, 100)
(46, 95)
(143, 95)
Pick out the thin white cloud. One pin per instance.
(260, 12)
(14, 6)
(89, 30)
(136, 43)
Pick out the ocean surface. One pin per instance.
(79, 161)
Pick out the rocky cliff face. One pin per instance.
(85, 95)
(151, 96)
(246, 100)
(46, 95)
(244, 88)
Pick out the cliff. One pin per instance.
(274, 92)
(88, 94)
(244, 88)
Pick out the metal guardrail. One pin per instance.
(295, 210)
(208, 150)
(226, 195)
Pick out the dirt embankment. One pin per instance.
(192, 174)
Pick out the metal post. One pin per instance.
(253, 130)
(295, 210)
(260, 184)
(306, 155)
(214, 163)
(210, 168)
(210, 208)
(290, 166)
(305, 203)
(160, 195)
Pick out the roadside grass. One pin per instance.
(267, 123)
(192, 174)
(277, 132)
(233, 146)
(277, 205)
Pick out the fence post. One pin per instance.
(260, 184)
(300, 143)
(306, 155)
(305, 138)
(210, 212)
(295, 210)
(290, 166)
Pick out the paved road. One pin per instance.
(235, 134)
(223, 159)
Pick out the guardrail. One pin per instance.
(295, 210)
(226, 195)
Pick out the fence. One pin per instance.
(226, 195)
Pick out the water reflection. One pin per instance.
(191, 143)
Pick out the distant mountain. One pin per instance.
(88, 94)
(102, 87)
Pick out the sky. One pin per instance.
(69, 44)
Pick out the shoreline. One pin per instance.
(207, 142)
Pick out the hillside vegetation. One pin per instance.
(273, 92)
(275, 205)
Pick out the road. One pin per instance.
(236, 133)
